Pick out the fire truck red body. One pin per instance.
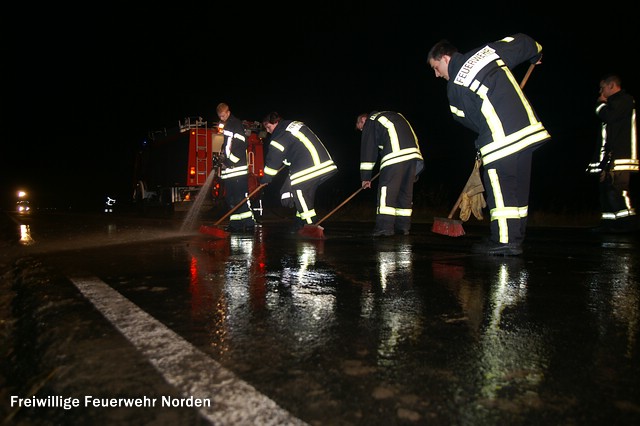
(175, 165)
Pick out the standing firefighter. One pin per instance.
(617, 155)
(310, 164)
(389, 135)
(235, 171)
(485, 97)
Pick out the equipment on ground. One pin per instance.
(473, 188)
(448, 226)
(316, 231)
(221, 233)
(216, 232)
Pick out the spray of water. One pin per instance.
(188, 224)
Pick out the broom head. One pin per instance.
(448, 227)
(315, 232)
(214, 231)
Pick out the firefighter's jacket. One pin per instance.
(294, 144)
(618, 151)
(485, 97)
(388, 134)
(234, 149)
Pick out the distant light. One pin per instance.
(23, 208)
(21, 194)
(108, 205)
(25, 235)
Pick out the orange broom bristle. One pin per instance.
(214, 231)
(448, 227)
(312, 231)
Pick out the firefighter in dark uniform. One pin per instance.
(389, 135)
(617, 156)
(234, 173)
(485, 97)
(310, 164)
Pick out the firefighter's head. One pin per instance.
(223, 112)
(609, 85)
(362, 118)
(439, 57)
(270, 121)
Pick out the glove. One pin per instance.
(265, 179)
(287, 200)
(472, 205)
(474, 184)
(472, 198)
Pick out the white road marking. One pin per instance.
(191, 371)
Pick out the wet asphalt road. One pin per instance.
(274, 329)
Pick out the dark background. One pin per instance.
(83, 89)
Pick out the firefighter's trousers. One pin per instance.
(395, 197)
(235, 192)
(304, 198)
(615, 199)
(507, 182)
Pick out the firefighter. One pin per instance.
(485, 97)
(234, 172)
(617, 156)
(389, 135)
(310, 164)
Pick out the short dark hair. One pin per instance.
(272, 118)
(441, 48)
(612, 78)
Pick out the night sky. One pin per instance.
(82, 93)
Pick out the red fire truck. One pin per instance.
(173, 166)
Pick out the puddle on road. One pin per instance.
(377, 331)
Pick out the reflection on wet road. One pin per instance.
(403, 330)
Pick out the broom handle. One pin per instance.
(455, 206)
(244, 200)
(344, 202)
(526, 76)
(237, 206)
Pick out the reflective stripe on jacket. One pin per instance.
(485, 97)
(234, 149)
(390, 135)
(618, 151)
(294, 144)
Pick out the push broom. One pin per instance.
(316, 231)
(451, 227)
(216, 232)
